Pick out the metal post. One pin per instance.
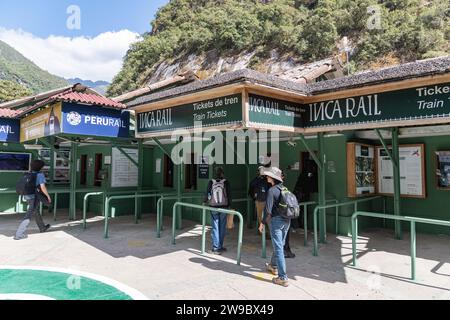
(140, 173)
(249, 207)
(55, 206)
(203, 231)
(106, 217)
(354, 237)
(73, 181)
(174, 224)
(136, 209)
(315, 249)
(179, 181)
(396, 156)
(413, 250)
(337, 220)
(52, 163)
(322, 181)
(305, 224)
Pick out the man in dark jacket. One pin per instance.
(258, 192)
(33, 201)
(218, 195)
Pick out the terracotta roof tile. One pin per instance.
(8, 113)
(89, 99)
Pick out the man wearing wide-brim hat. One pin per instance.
(279, 226)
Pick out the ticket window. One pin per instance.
(83, 170)
(98, 170)
(190, 174)
(168, 171)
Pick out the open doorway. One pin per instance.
(168, 171)
(190, 173)
(98, 170)
(83, 170)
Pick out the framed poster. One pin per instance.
(360, 170)
(124, 172)
(14, 161)
(412, 171)
(443, 170)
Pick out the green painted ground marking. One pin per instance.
(30, 283)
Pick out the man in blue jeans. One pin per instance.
(279, 226)
(218, 195)
(33, 201)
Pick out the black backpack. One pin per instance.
(288, 206)
(27, 184)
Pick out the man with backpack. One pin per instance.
(258, 192)
(32, 187)
(281, 207)
(218, 195)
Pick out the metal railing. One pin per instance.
(135, 196)
(341, 204)
(305, 206)
(160, 206)
(412, 220)
(204, 209)
(85, 202)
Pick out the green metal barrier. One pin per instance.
(135, 197)
(160, 206)
(204, 209)
(342, 204)
(85, 200)
(305, 222)
(412, 220)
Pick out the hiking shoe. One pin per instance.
(223, 249)
(289, 254)
(45, 228)
(271, 269)
(24, 236)
(216, 252)
(280, 282)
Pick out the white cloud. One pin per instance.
(98, 58)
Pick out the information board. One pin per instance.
(412, 171)
(124, 172)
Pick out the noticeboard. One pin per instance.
(412, 171)
(124, 172)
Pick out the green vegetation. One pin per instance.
(16, 68)
(11, 90)
(307, 30)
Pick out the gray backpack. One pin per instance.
(219, 196)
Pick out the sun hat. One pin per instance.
(274, 173)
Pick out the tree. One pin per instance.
(10, 90)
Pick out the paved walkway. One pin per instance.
(135, 258)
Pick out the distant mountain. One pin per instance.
(16, 68)
(99, 86)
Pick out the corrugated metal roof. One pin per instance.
(8, 113)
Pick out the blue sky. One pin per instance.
(38, 30)
(48, 17)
